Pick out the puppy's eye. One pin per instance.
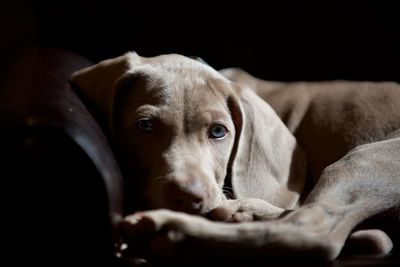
(218, 131)
(144, 125)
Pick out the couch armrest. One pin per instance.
(63, 187)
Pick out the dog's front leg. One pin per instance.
(362, 184)
(175, 237)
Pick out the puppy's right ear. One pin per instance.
(99, 83)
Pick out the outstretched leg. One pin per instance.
(364, 183)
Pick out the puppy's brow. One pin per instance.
(144, 111)
(147, 111)
(214, 115)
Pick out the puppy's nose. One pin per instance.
(188, 203)
(185, 200)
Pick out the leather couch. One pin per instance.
(61, 183)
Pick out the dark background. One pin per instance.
(276, 40)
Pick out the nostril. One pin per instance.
(179, 201)
(188, 204)
(197, 205)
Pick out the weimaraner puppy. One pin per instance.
(300, 165)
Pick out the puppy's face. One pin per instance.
(174, 129)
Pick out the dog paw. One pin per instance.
(244, 210)
(227, 214)
(371, 241)
(160, 234)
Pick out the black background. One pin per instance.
(276, 40)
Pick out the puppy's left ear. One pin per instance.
(265, 161)
(99, 83)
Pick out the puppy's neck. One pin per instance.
(296, 181)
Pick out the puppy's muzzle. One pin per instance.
(186, 196)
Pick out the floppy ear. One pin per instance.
(266, 161)
(100, 83)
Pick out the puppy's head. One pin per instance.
(170, 118)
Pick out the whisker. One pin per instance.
(228, 192)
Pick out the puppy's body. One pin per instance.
(329, 118)
(182, 128)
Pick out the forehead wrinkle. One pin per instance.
(187, 84)
(212, 114)
(197, 114)
(156, 90)
(197, 93)
(219, 95)
(189, 107)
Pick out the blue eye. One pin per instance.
(144, 125)
(218, 131)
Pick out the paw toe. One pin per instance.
(369, 242)
(221, 214)
(138, 225)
